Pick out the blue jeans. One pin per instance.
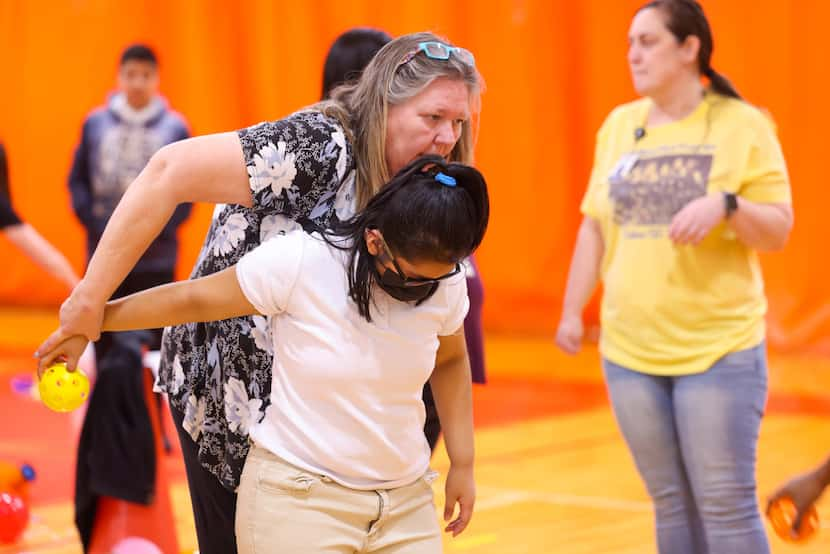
(694, 440)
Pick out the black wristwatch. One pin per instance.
(730, 203)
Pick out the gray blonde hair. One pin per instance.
(362, 106)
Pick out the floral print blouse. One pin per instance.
(218, 374)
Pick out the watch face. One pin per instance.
(731, 202)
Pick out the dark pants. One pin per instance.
(135, 282)
(214, 506)
(473, 331)
(432, 425)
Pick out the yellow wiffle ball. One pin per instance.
(62, 390)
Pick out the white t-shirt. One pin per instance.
(345, 393)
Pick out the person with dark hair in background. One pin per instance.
(688, 184)
(349, 54)
(419, 95)
(372, 309)
(26, 238)
(116, 143)
(347, 57)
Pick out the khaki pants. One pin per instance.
(283, 509)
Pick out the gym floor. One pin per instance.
(553, 472)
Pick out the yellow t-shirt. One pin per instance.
(675, 310)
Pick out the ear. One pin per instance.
(372, 241)
(690, 49)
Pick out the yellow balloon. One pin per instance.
(62, 390)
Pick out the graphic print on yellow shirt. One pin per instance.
(646, 190)
(675, 309)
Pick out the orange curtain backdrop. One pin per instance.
(553, 70)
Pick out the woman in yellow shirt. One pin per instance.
(688, 184)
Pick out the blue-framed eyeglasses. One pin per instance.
(439, 51)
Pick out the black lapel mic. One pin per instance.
(639, 133)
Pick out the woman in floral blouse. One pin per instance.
(417, 96)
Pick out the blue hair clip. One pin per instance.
(445, 179)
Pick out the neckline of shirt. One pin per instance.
(697, 115)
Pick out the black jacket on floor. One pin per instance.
(116, 450)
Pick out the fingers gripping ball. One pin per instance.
(782, 515)
(14, 516)
(62, 390)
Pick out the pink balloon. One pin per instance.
(135, 545)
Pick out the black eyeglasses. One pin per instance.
(414, 281)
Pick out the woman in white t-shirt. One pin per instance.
(363, 313)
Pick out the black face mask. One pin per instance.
(393, 285)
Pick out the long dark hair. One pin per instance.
(684, 18)
(5, 192)
(421, 219)
(349, 54)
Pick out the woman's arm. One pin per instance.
(582, 281)
(217, 296)
(27, 239)
(202, 169)
(452, 389)
(760, 226)
(763, 227)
